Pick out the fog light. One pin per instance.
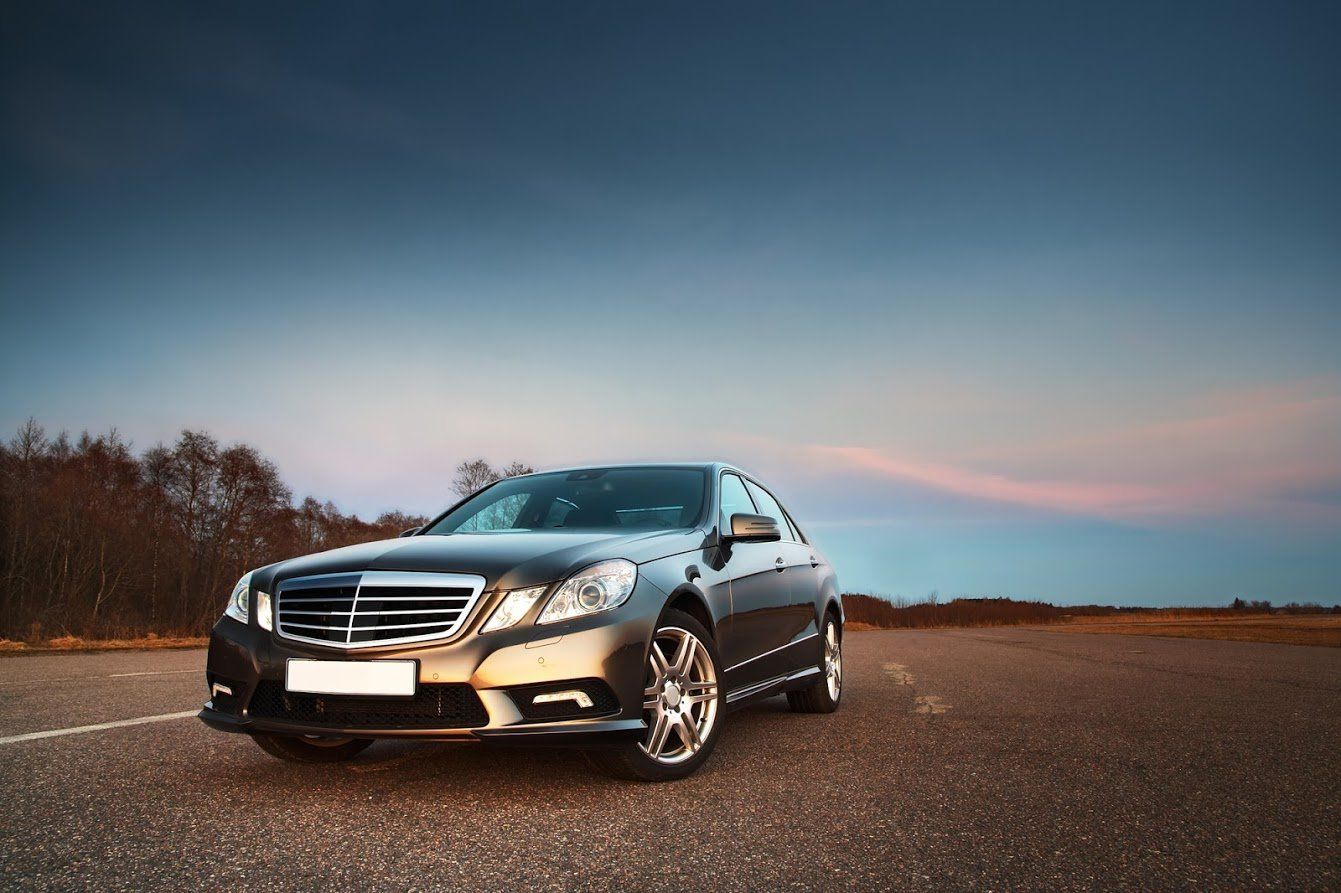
(576, 695)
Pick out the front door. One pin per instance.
(760, 597)
(800, 618)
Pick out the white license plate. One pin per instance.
(389, 678)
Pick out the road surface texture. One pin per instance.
(960, 759)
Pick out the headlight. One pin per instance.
(237, 602)
(265, 615)
(512, 608)
(598, 588)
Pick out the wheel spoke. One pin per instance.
(704, 685)
(660, 666)
(688, 729)
(656, 741)
(684, 661)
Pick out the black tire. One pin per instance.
(818, 698)
(629, 761)
(296, 749)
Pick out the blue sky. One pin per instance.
(1024, 300)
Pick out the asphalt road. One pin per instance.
(964, 759)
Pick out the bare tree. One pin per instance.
(515, 469)
(29, 442)
(473, 475)
(476, 474)
(399, 520)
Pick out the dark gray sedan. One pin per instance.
(624, 610)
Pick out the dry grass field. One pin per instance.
(75, 643)
(1289, 625)
(1286, 629)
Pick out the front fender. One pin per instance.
(693, 575)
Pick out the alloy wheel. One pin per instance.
(680, 699)
(833, 661)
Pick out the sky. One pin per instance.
(1003, 299)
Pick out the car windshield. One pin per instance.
(594, 498)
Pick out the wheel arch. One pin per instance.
(833, 605)
(690, 600)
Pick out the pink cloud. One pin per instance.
(1271, 425)
(1266, 452)
(1069, 496)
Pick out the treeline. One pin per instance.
(932, 612)
(99, 542)
(902, 614)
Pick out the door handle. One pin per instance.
(780, 564)
(814, 562)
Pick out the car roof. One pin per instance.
(703, 465)
(714, 466)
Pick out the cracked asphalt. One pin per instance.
(960, 759)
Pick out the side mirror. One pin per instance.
(754, 529)
(411, 532)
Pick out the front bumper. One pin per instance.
(609, 648)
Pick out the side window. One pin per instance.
(735, 500)
(769, 506)
(796, 531)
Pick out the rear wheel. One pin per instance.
(681, 704)
(312, 748)
(824, 695)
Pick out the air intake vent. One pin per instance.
(434, 706)
(372, 608)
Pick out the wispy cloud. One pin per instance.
(1268, 452)
(1262, 424)
(1071, 496)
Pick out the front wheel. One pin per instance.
(824, 695)
(311, 748)
(681, 704)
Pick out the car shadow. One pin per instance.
(431, 770)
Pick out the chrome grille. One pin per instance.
(361, 610)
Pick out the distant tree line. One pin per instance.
(99, 542)
(902, 613)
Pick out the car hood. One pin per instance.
(506, 560)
